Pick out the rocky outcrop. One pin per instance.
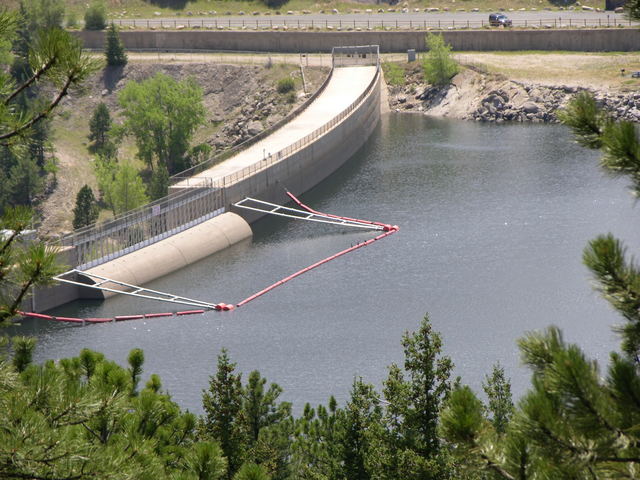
(489, 98)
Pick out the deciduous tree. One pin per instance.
(162, 115)
(438, 65)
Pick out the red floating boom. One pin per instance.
(388, 230)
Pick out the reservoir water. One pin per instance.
(493, 221)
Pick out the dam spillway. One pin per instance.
(298, 154)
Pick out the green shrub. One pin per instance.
(95, 18)
(285, 85)
(438, 65)
(291, 97)
(393, 73)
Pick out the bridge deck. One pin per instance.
(346, 84)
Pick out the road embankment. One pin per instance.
(581, 40)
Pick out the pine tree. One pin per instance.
(114, 49)
(498, 390)
(86, 211)
(362, 418)
(260, 409)
(632, 9)
(99, 126)
(25, 181)
(223, 421)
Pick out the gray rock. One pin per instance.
(254, 128)
(530, 108)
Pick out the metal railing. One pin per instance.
(307, 139)
(201, 199)
(365, 24)
(143, 226)
(203, 166)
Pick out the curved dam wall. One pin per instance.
(298, 172)
(583, 40)
(173, 253)
(305, 168)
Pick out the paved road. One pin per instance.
(387, 20)
(345, 86)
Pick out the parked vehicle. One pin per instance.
(499, 20)
(635, 75)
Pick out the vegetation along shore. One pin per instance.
(100, 135)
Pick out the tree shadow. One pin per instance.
(111, 75)
(562, 3)
(172, 4)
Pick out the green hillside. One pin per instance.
(196, 8)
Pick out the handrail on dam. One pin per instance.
(188, 206)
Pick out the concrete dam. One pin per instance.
(197, 218)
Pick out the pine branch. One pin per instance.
(495, 467)
(35, 77)
(63, 92)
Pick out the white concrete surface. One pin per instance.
(175, 252)
(346, 84)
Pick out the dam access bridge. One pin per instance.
(196, 220)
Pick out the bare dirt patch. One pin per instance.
(598, 71)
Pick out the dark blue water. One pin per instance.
(493, 223)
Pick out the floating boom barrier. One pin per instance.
(304, 213)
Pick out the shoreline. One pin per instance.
(486, 97)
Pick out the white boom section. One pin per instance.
(136, 291)
(279, 210)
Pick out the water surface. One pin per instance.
(493, 223)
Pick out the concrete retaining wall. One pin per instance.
(596, 40)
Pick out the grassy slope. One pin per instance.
(600, 71)
(146, 8)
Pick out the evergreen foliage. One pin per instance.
(95, 18)
(43, 55)
(438, 66)
(162, 115)
(100, 133)
(498, 390)
(285, 85)
(586, 120)
(22, 265)
(79, 418)
(99, 126)
(159, 186)
(114, 49)
(25, 181)
(632, 9)
(223, 421)
(86, 210)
